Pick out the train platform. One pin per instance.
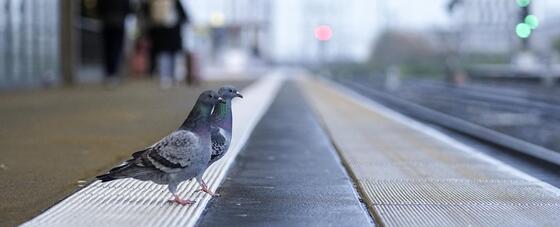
(307, 152)
(412, 175)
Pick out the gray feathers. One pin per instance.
(174, 153)
(221, 123)
(220, 143)
(180, 156)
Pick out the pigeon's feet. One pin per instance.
(204, 189)
(183, 202)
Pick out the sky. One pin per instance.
(415, 14)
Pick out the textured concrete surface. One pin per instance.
(53, 141)
(288, 175)
(411, 175)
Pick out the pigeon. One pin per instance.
(221, 126)
(182, 155)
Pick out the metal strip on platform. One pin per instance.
(135, 203)
(412, 175)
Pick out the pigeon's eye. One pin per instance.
(210, 96)
(230, 90)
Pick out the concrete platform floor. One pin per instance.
(55, 141)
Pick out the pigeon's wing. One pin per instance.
(219, 144)
(171, 154)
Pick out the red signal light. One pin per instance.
(323, 33)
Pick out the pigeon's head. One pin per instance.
(210, 98)
(229, 92)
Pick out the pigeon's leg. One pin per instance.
(183, 202)
(205, 187)
(176, 199)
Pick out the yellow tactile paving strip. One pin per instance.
(409, 177)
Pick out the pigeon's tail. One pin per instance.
(106, 177)
(114, 173)
(127, 169)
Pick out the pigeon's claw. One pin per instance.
(183, 202)
(205, 189)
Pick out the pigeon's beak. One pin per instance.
(237, 94)
(221, 100)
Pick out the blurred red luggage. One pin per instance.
(139, 60)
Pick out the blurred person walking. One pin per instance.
(164, 21)
(113, 14)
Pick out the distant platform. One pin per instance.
(412, 175)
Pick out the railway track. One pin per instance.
(522, 123)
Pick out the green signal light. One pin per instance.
(532, 21)
(523, 3)
(523, 30)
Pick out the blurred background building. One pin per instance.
(226, 33)
(230, 32)
(29, 50)
(487, 26)
(353, 23)
(39, 48)
(483, 26)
